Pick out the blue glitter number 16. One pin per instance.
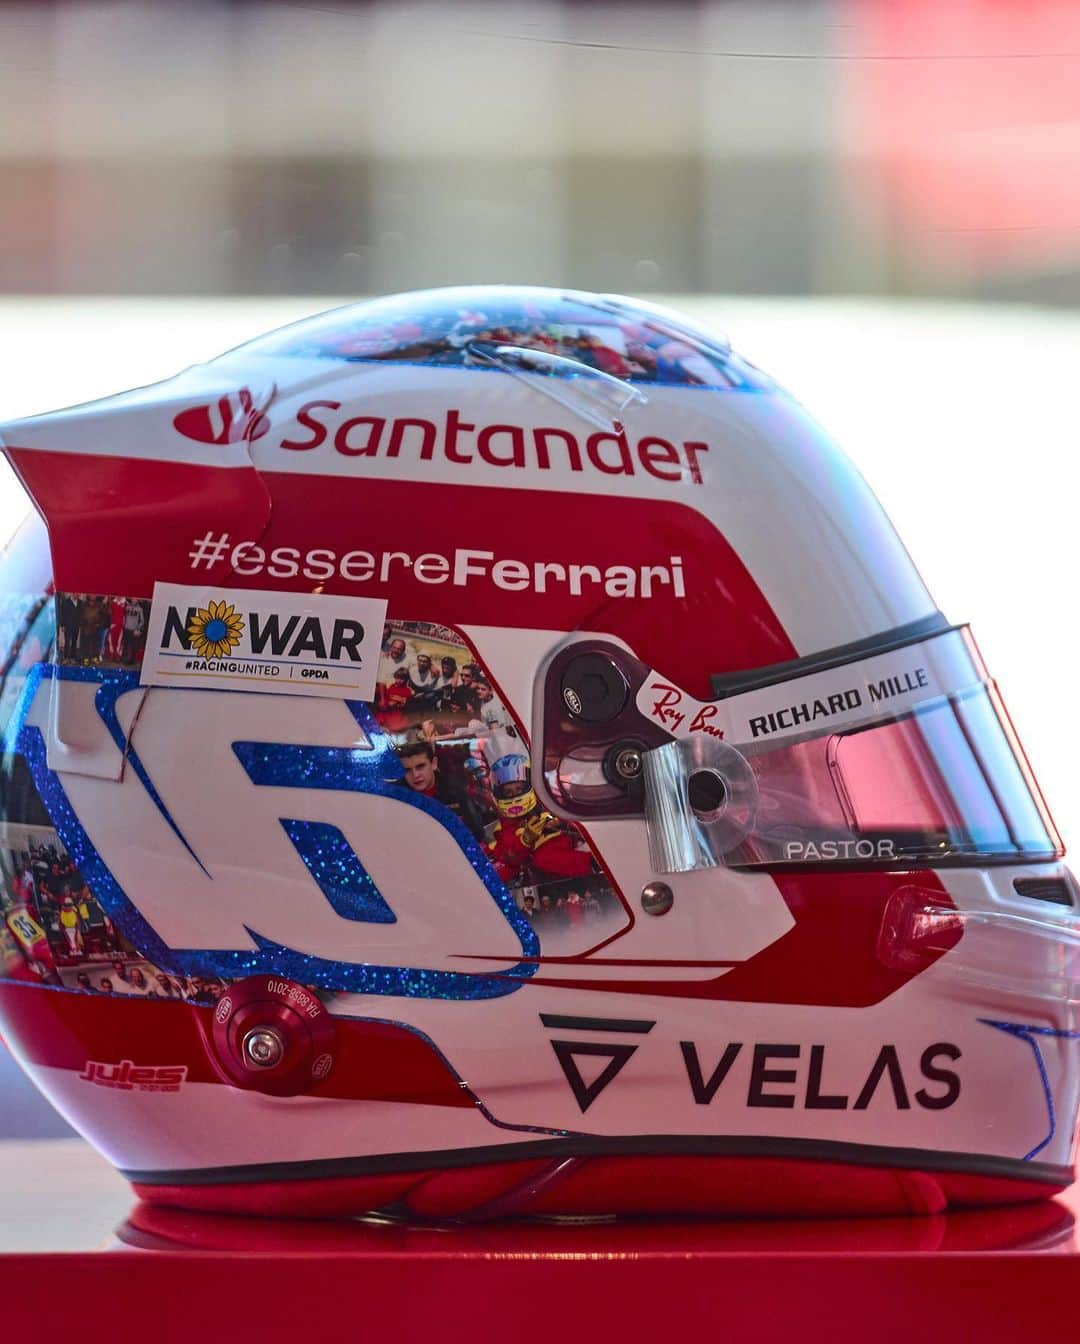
(333, 865)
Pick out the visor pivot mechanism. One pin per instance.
(627, 762)
(624, 767)
(594, 688)
(271, 1035)
(700, 803)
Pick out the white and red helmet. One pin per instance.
(509, 744)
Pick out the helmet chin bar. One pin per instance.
(901, 757)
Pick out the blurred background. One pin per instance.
(877, 200)
(887, 147)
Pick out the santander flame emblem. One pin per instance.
(230, 419)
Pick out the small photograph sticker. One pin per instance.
(211, 638)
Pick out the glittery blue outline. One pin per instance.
(336, 870)
(31, 743)
(105, 701)
(33, 680)
(112, 684)
(1028, 1034)
(373, 770)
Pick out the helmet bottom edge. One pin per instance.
(625, 1185)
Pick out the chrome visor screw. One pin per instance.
(263, 1047)
(657, 898)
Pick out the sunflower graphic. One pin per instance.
(215, 630)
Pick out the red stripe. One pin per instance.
(723, 624)
(830, 957)
(375, 1061)
(117, 525)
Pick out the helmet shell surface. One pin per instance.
(345, 703)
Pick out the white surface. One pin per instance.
(962, 418)
(58, 1195)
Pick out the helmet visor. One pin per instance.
(939, 780)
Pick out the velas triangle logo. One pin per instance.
(585, 1093)
(616, 1053)
(230, 419)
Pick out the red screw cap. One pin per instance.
(272, 1035)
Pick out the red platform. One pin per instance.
(81, 1259)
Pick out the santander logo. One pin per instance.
(231, 419)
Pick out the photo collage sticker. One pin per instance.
(53, 929)
(456, 743)
(459, 745)
(96, 630)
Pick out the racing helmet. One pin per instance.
(511, 785)
(791, 932)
